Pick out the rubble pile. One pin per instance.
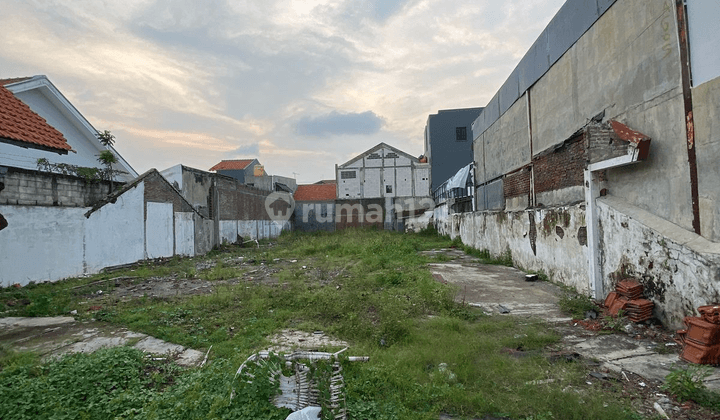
(701, 338)
(628, 297)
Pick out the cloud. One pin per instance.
(335, 123)
(196, 82)
(246, 151)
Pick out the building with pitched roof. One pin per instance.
(43, 101)
(251, 173)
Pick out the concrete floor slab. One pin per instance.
(55, 336)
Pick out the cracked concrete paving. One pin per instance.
(51, 337)
(497, 289)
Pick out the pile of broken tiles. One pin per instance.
(701, 338)
(628, 297)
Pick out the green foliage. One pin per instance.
(687, 384)
(576, 305)
(370, 288)
(484, 255)
(107, 157)
(106, 138)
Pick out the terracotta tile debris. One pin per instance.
(701, 337)
(629, 298)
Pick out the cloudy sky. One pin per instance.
(301, 84)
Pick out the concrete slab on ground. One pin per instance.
(51, 337)
(503, 290)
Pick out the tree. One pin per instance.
(106, 138)
(107, 157)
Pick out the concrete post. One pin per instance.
(592, 191)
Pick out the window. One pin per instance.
(388, 189)
(348, 175)
(461, 133)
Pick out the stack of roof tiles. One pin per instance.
(628, 297)
(701, 338)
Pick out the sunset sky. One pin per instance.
(301, 85)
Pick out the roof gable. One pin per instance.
(21, 126)
(375, 149)
(315, 192)
(233, 165)
(46, 100)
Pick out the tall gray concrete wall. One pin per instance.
(627, 64)
(707, 141)
(507, 142)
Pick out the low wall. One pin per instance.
(550, 240)
(678, 269)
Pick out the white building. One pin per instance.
(47, 101)
(382, 172)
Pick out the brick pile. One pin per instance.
(628, 297)
(701, 337)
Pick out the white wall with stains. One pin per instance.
(40, 243)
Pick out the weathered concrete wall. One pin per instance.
(706, 112)
(29, 187)
(507, 142)
(626, 64)
(195, 187)
(551, 240)
(33, 251)
(679, 269)
(312, 216)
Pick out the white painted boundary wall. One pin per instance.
(52, 243)
(252, 229)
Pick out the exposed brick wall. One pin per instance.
(517, 183)
(561, 167)
(158, 190)
(28, 187)
(602, 143)
(240, 202)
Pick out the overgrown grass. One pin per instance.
(576, 305)
(371, 288)
(484, 255)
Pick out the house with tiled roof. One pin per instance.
(53, 129)
(251, 173)
(21, 127)
(315, 207)
(238, 168)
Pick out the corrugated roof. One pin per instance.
(232, 165)
(18, 123)
(315, 192)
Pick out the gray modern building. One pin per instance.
(448, 142)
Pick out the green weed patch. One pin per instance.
(428, 355)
